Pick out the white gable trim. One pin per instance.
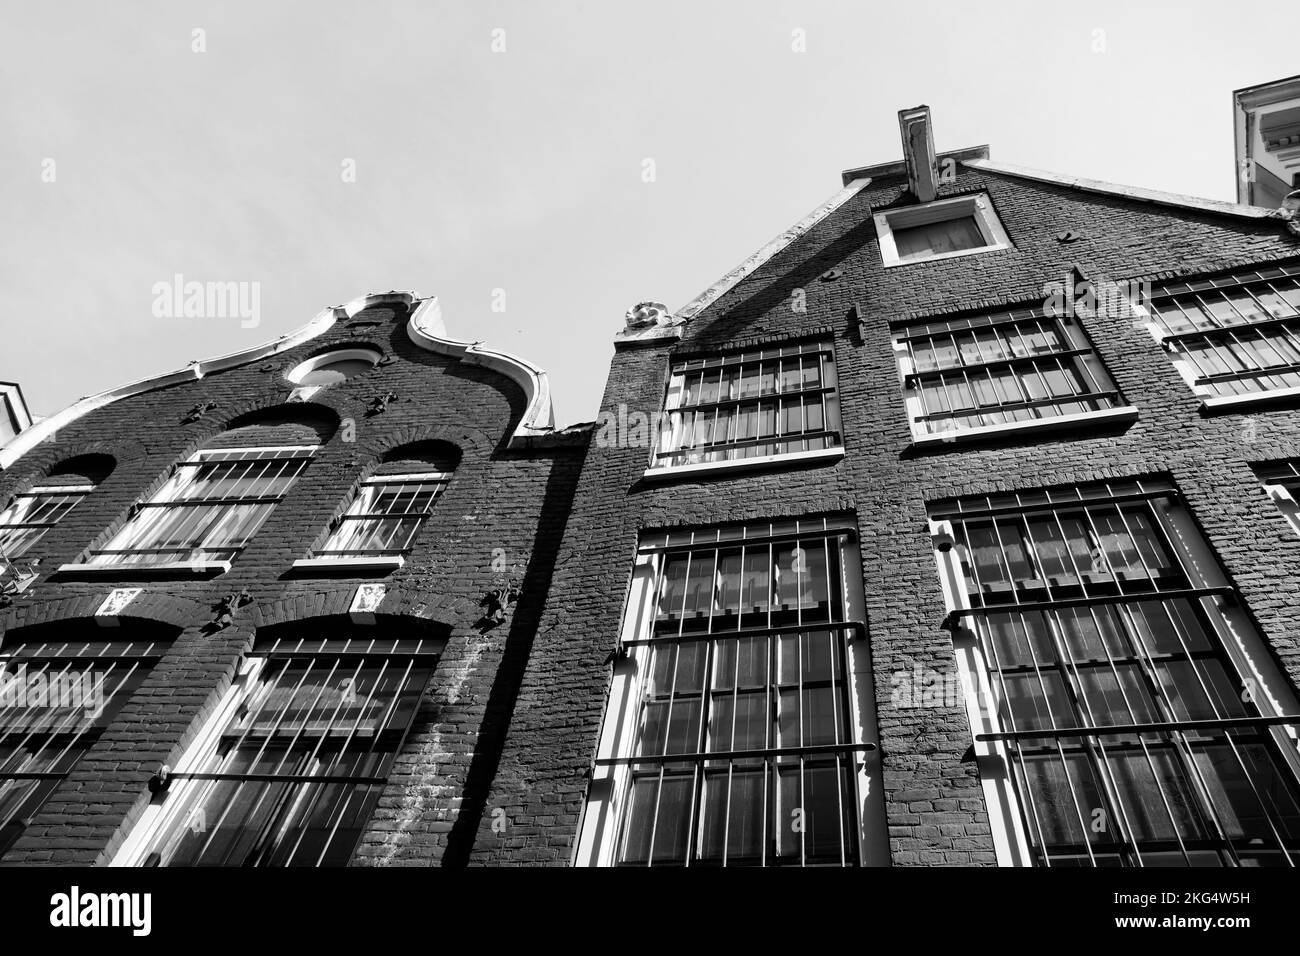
(424, 328)
(734, 277)
(1128, 192)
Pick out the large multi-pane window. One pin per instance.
(292, 764)
(58, 692)
(1126, 712)
(34, 512)
(772, 401)
(1233, 335)
(209, 509)
(738, 734)
(1002, 368)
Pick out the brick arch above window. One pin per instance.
(297, 424)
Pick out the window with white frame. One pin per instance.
(41, 507)
(208, 510)
(290, 767)
(943, 229)
(34, 512)
(778, 400)
(1281, 480)
(384, 517)
(1018, 367)
(1233, 337)
(1126, 712)
(58, 692)
(740, 728)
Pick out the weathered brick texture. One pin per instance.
(935, 807)
(501, 503)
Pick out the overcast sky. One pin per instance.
(524, 169)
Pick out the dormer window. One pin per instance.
(945, 229)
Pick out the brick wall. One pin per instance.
(503, 504)
(935, 807)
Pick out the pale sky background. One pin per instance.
(522, 170)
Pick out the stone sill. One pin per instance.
(1080, 421)
(742, 465)
(382, 565)
(169, 569)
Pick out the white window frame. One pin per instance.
(599, 826)
(671, 426)
(178, 480)
(163, 811)
(1241, 642)
(37, 491)
(302, 369)
(1075, 338)
(1186, 368)
(977, 206)
(373, 562)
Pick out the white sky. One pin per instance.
(522, 170)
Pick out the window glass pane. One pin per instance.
(952, 235)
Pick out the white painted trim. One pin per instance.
(160, 812)
(372, 355)
(977, 206)
(1122, 413)
(731, 279)
(1128, 192)
(1230, 402)
(47, 427)
(598, 833)
(743, 464)
(425, 329)
(127, 569)
(387, 562)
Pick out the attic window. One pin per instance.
(962, 226)
(333, 367)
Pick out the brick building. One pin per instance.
(955, 526)
(970, 462)
(245, 573)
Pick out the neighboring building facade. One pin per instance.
(277, 603)
(1266, 127)
(956, 526)
(14, 416)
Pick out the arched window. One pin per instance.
(391, 506)
(61, 685)
(213, 504)
(337, 365)
(38, 509)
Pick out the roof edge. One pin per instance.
(733, 277)
(40, 431)
(426, 329)
(1128, 192)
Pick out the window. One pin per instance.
(334, 366)
(944, 229)
(1022, 367)
(293, 762)
(1281, 480)
(1234, 338)
(57, 695)
(391, 506)
(35, 511)
(385, 516)
(1125, 711)
(208, 510)
(742, 705)
(754, 404)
